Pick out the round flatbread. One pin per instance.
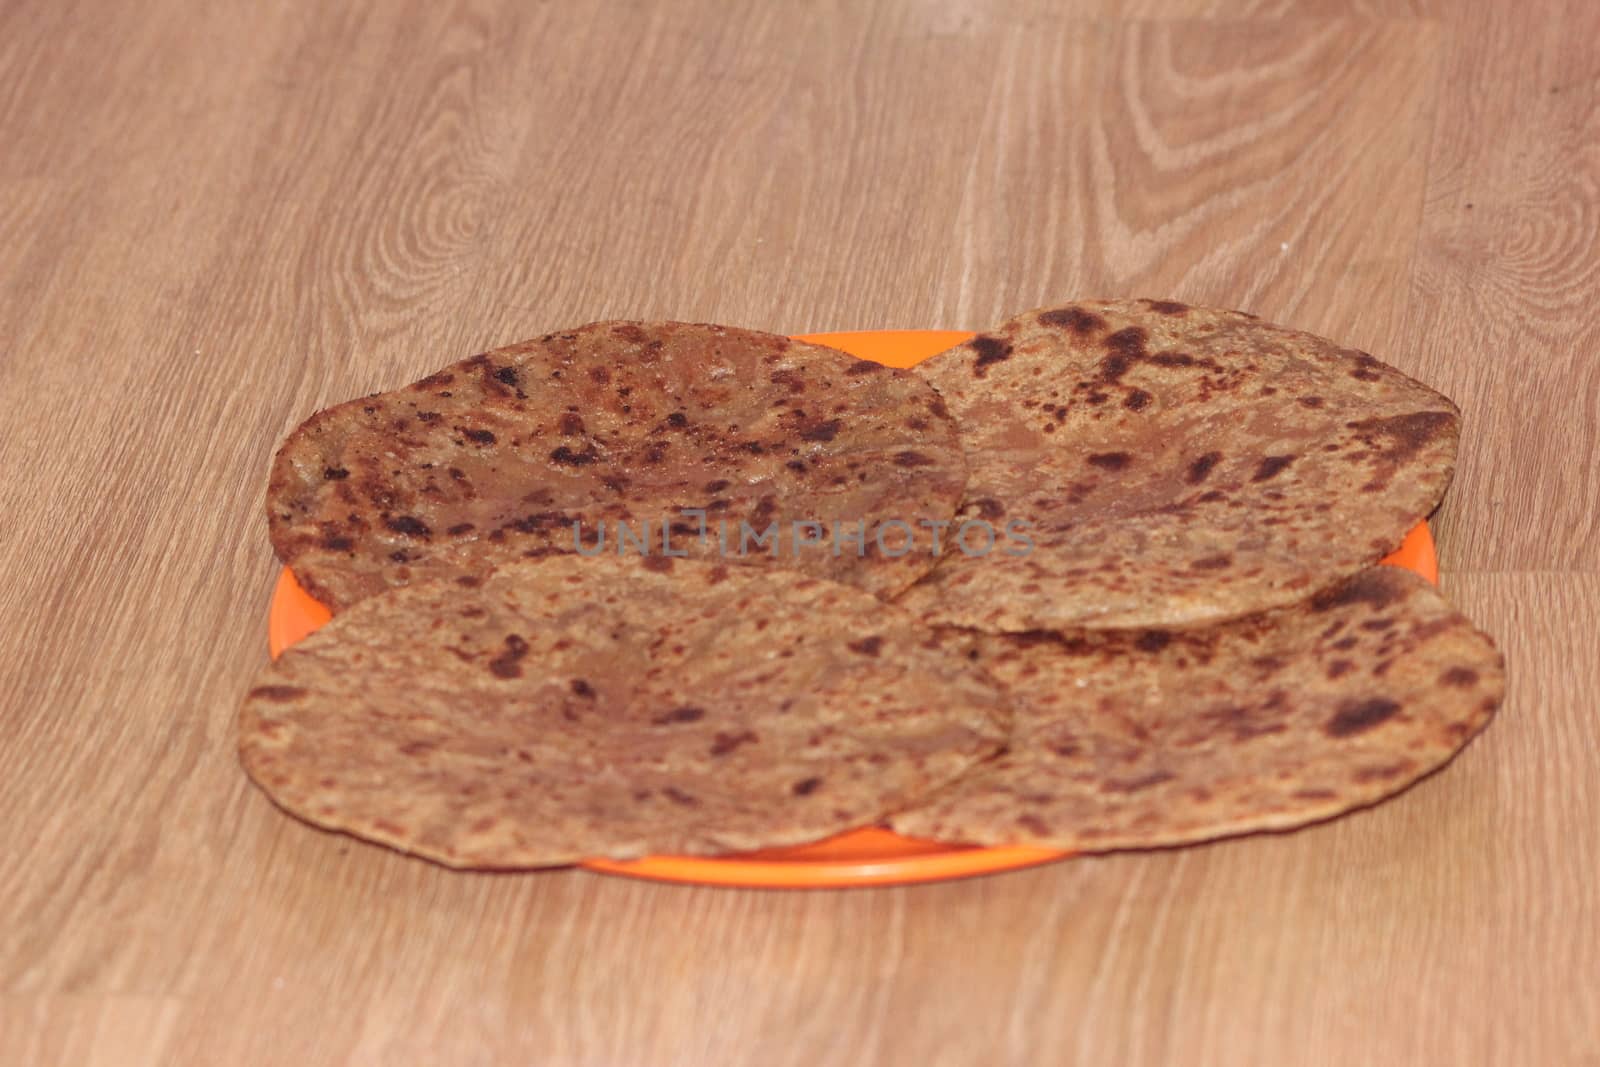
(569, 708)
(700, 440)
(1140, 739)
(1172, 466)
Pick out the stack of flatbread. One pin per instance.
(1103, 577)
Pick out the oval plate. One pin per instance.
(866, 857)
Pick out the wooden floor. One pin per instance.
(215, 218)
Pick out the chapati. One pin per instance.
(1172, 466)
(568, 708)
(653, 438)
(1135, 739)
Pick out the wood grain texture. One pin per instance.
(216, 218)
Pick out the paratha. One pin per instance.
(562, 441)
(568, 708)
(1142, 738)
(1173, 466)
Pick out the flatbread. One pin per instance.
(1173, 466)
(569, 708)
(1139, 739)
(537, 448)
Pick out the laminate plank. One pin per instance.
(1507, 265)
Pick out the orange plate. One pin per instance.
(858, 858)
